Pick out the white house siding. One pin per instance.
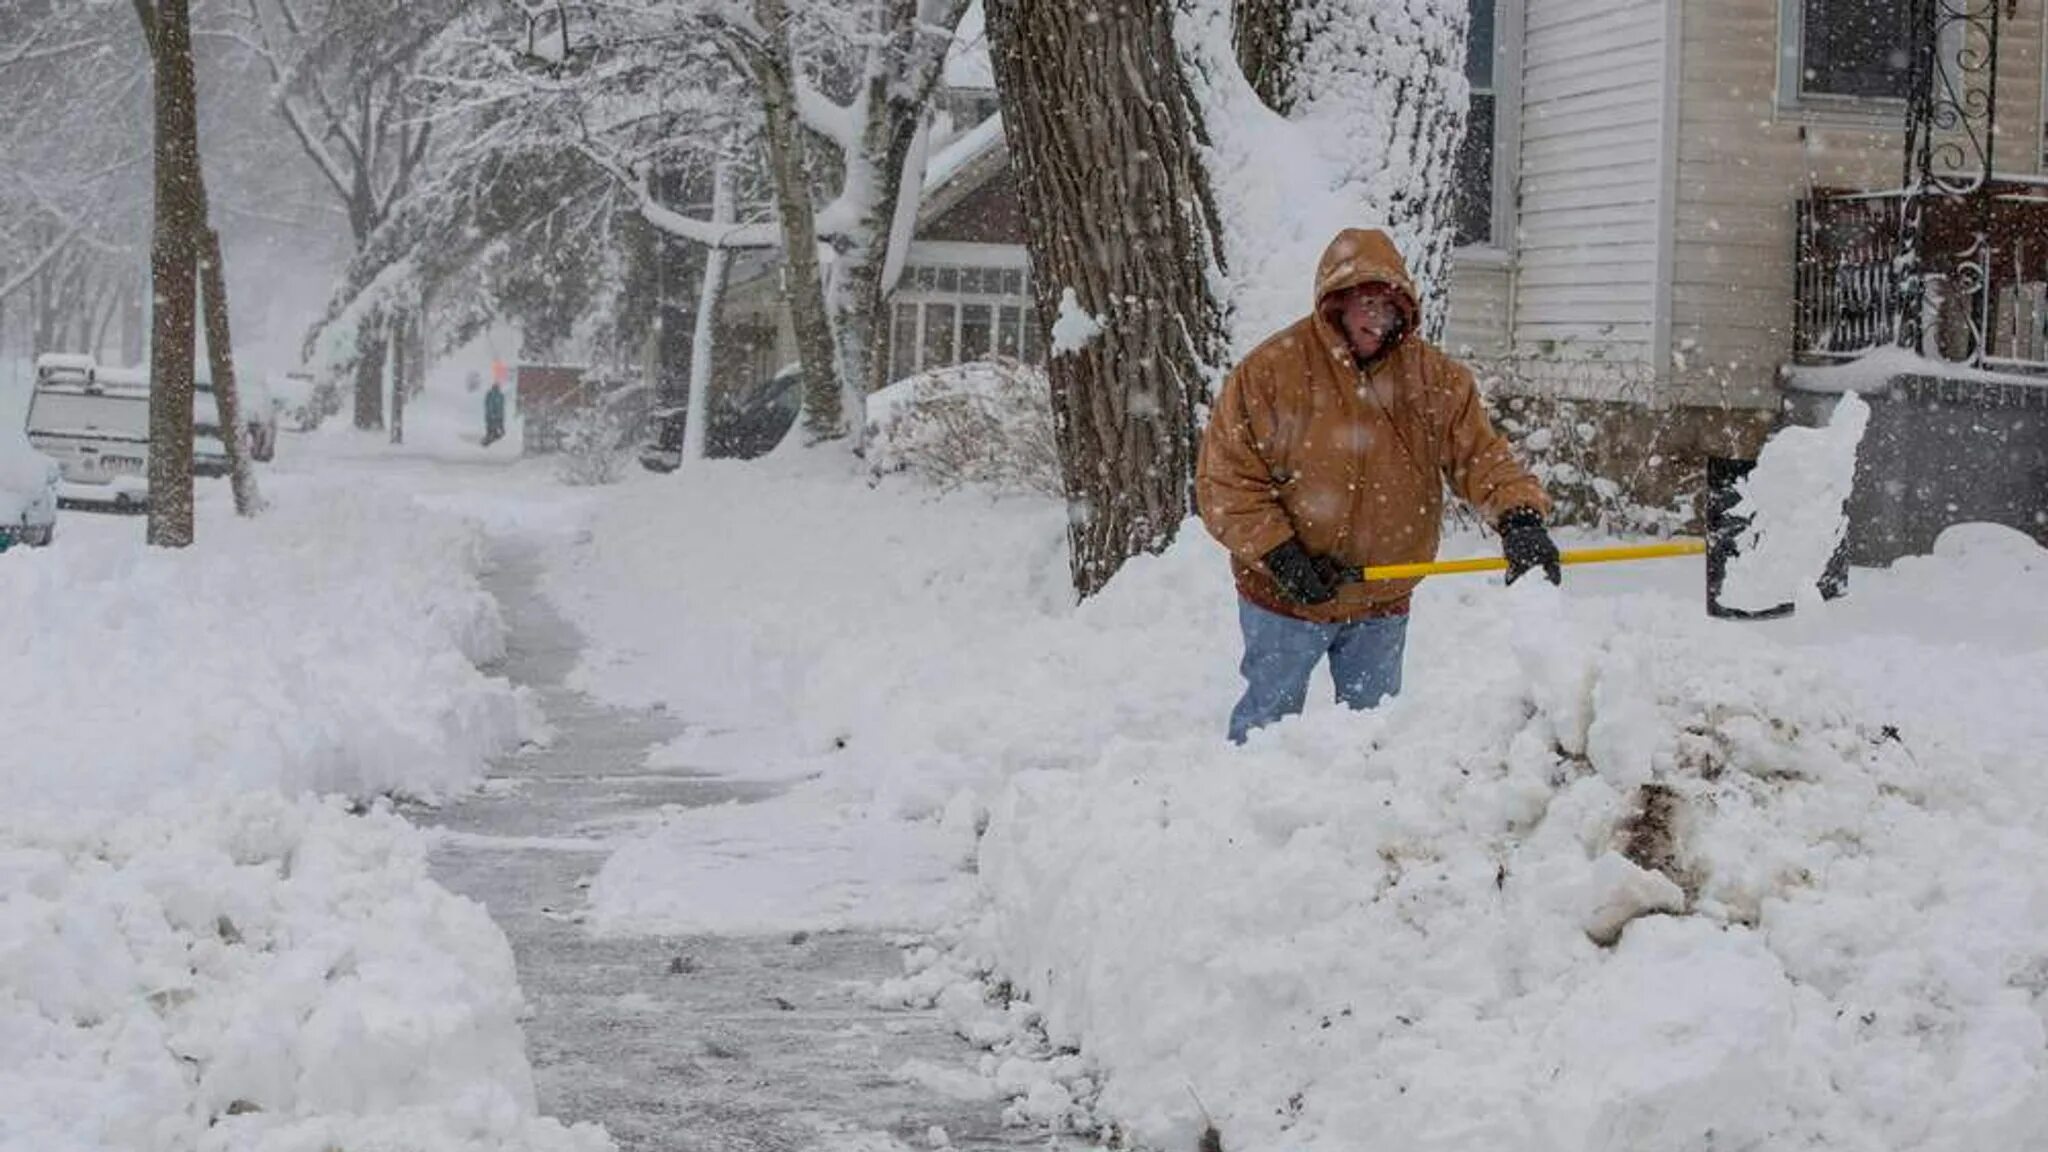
(1592, 180)
(1743, 164)
(1481, 291)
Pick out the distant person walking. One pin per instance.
(494, 415)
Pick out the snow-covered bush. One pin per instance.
(1623, 466)
(987, 423)
(590, 448)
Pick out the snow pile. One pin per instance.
(255, 973)
(329, 646)
(1382, 931)
(1793, 504)
(194, 954)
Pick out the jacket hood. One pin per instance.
(1364, 256)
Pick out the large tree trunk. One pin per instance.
(1394, 72)
(803, 291)
(704, 341)
(372, 340)
(173, 262)
(234, 433)
(1105, 134)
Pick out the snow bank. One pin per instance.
(253, 973)
(194, 952)
(330, 646)
(1378, 932)
(1609, 875)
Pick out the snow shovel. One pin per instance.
(1684, 546)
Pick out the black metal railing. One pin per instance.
(1847, 264)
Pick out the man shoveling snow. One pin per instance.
(1328, 451)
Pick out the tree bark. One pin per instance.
(803, 291)
(399, 347)
(1262, 32)
(371, 349)
(173, 263)
(1104, 135)
(234, 433)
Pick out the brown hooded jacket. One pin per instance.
(1353, 460)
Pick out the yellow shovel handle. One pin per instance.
(1684, 546)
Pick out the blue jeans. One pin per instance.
(1280, 652)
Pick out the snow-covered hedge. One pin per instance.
(987, 423)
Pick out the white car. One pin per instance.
(94, 422)
(28, 493)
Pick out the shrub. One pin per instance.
(988, 423)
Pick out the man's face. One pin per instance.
(1368, 316)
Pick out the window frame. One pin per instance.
(1792, 98)
(1507, 107)
(937, 258)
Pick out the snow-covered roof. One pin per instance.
(977, 143)
(967, 61)
(76, 361)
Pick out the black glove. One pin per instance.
(1527, 545)
(1303, 578)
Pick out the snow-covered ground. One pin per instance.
(197, 951)
(1609, 874)
(1426, 927)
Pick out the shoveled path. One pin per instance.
(719, 1044)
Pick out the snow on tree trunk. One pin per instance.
(703, 345)
(1105, 138)
(1262, 31)
(234, 432)
(174, 271)
(902, 67)
(1374, 98)
(1400, 69)
(803, 290)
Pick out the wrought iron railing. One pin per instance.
(1847, 267)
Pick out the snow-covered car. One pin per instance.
(28, 493)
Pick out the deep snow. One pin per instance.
(1364, 931)
(196, 950)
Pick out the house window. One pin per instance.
(1845, 51)
(1474, 196)
(953, 315)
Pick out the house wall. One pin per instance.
(1591, 161)
(991, 214)
(1743, 164)
(1481, 290)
